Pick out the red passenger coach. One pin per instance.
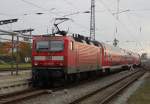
(59, 58)
(114, 58)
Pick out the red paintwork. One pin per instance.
(84, 57)
(49, 63)
(117, 56)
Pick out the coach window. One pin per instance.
(71, 45)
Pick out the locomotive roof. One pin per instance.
(83, 39)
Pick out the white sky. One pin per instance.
(128, 25)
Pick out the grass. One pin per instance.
(22, 65)
(142, 95)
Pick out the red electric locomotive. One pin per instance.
(69, 57)
(62, 57)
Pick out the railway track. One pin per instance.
(10, 69)
(107, 93)
(99, 96)
(14, 86)
(15, 97)
(10, 72)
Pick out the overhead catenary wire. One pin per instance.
(132, 22)
(72, 7)
(119, 21)
(30, 3)
(37, 6)
(44, 9)
(140, 10)
(40, 7)
(71, 4)
(107, 8)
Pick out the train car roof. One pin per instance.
(86, 40)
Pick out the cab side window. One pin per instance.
(71, 45)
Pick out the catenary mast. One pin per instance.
(92, 20)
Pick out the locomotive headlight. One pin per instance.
(35, 64)
(38, 58)
(58, 58)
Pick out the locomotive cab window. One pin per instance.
(42, 45)
(105, 54)
(71, 45)
(56, 45)
(52, 45)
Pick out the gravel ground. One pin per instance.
(142, 94)
(68, 95)
(125, 95)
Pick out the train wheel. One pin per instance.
(78, 76)
(34, 84)
(107, 71)
(70, 78)
(35, 81)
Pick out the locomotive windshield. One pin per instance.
(42, 45)
(53, 45)
(56, 45)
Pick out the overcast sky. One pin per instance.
(129, 23)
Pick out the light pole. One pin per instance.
(10, 21)
(17, 45)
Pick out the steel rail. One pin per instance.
(12, 98)
(27, 95)
(106, 99)
(9, 69)
(117, 91)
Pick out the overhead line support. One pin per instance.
(92, 20)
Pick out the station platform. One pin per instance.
(8, 77)
(13, 83)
